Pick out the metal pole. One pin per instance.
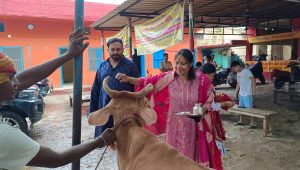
(103, 43)
(191, 24)
(129, 37)
(77, 91)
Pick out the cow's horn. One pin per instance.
(110, 92)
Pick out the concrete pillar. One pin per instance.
(191, 24)
(249, 49)
(296, 27)
(130, 37)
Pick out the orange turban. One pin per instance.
(6, 66)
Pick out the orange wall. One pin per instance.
(44, 42)
(49, 35)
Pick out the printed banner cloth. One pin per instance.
(160, 32)
(123, 34)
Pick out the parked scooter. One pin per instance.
(257, 71)
(45, 87)
(221, 77)
(284, 76)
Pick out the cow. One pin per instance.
(138, 149)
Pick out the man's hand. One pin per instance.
(75, 39)
(108, 136)
(122, 78)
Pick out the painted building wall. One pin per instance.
(44, 41)
(49, 36)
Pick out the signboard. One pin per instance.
(269, 66)
(274, 37)
(160, 32)
(123, 35)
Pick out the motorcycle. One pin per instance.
(280, 77)
(221, 77)
(257, 71)
(44, 87)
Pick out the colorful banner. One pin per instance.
(269, 66)
(123, 34)
(160, 32)
(274, 37)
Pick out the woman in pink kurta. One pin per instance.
(176, 92)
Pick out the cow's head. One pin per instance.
(122, 104)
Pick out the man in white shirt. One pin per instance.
(245, 89)
(18, 150)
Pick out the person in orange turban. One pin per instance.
(7, 67)
(17, 149)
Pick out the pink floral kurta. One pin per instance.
(171, 95)
(181, 131)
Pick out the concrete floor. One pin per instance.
(246, 148)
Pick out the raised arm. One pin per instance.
(29, 77)
(127, 79)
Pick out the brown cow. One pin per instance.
(137, 148)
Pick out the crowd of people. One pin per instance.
(177, 89)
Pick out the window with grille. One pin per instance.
(95, 58)
(158, 57)
(16, 54)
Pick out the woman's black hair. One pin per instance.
(188, 55)
(208, 68)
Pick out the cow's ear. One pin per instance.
(148, 115)
(99, 117)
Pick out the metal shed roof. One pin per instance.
(208, 13)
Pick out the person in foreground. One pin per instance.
(179, 91)
(16, 148)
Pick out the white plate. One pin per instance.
(183, 113)
(187, 114)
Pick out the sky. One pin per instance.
(117, 2)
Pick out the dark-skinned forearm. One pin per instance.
(46, 157)
(29, 77)
(79, 151)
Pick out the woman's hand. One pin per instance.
(122, 78)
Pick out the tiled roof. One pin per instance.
(55, 9)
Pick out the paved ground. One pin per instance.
(246, 148)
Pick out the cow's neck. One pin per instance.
(127, 138)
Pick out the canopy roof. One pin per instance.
(208, 13)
